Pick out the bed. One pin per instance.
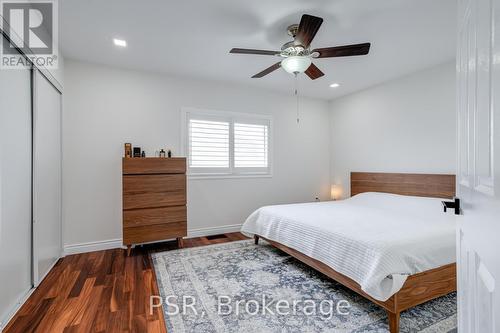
(390, 242)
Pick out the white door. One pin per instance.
(15, 189)
(478, 174)
(47, 244)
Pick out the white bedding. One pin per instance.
(376, 239)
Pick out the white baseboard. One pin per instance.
(213, 230)
(118, 243)
(93, 246)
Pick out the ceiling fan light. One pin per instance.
(296, 64)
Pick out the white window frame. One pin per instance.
(231, 117)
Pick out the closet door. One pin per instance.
(47, 177)
(15, 189)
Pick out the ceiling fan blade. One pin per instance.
(253, 51)
(308, 27)
(343, 51)
(267, 70)
(314, 72)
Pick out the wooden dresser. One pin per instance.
(154, 200)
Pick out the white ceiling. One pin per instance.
(193, 37)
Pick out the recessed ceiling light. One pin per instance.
(334, 85)
(120, 42)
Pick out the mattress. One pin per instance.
(376, 239)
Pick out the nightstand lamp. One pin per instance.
(336, 192)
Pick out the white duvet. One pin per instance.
(376, 239)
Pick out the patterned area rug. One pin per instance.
(237, 287)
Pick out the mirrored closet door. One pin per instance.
(47, 212)
(30, 184)
(15, 189)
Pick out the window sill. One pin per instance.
(228, 176)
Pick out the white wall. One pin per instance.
(105, 107)
(405, 125)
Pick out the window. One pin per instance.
(208, 144)
(224, 144)
(250, 145)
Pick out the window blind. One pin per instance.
(250, 146)
(224, 144)
(208, 144)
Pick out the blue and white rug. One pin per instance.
(242, 287)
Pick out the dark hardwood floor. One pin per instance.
(102, 291)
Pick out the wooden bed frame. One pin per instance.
(418, 288)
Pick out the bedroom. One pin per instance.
(339, 170)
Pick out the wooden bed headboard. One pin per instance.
(420, 185)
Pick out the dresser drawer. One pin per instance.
(152, 216)
(153, 183)
(153, 165)
(154, 199)
(151, 233)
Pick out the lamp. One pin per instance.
(336, 192)
(296, 64)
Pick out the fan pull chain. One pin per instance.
(297, 97)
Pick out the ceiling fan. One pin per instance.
(297, 54)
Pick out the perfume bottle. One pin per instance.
(162, 153)
(169, 153)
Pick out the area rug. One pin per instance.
(237, 287)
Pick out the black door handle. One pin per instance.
(452, 204)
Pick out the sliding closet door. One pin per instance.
(47, 176)
(15, 188)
